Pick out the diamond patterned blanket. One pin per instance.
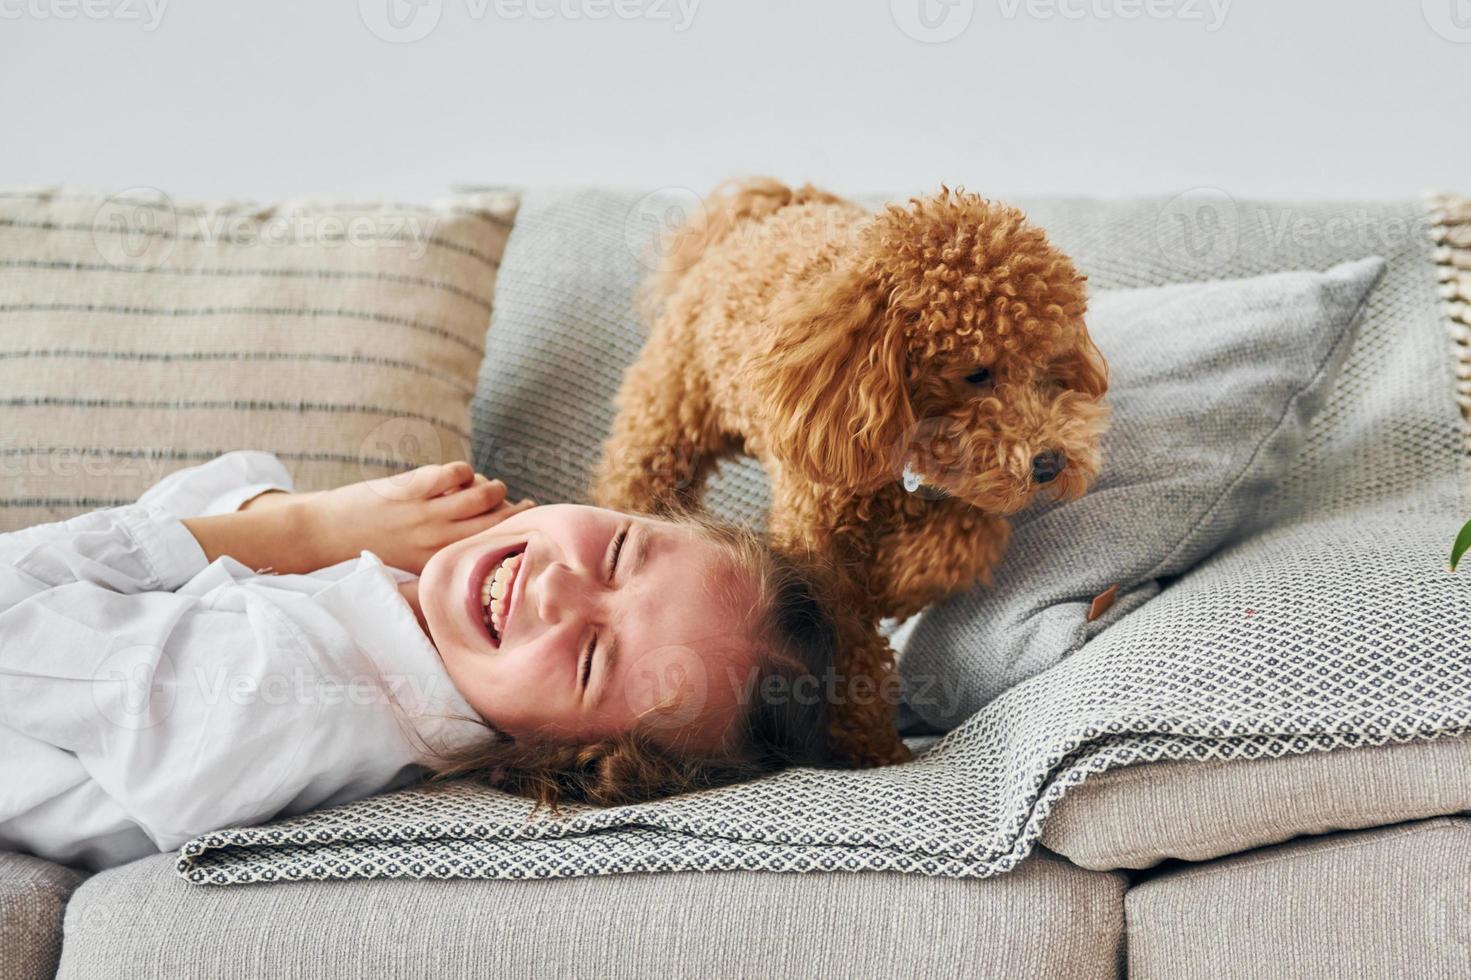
(1370, 641)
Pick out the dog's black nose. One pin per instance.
(1046, 466)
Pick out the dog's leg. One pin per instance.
(948, 548)
(861, 724)
(665, 440)
(865, 694)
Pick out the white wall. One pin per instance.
(259, 98)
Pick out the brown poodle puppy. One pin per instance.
(907, 379)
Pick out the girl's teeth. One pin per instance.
(495, 593)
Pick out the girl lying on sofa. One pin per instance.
(226, 651)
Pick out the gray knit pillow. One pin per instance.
(1212, 387)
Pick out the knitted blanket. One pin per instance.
(1375, 646)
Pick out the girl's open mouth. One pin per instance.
(492, 588)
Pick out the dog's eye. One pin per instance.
(913, 316)
(978, 377)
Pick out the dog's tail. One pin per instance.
(732, 205)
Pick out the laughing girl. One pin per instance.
(226, 651)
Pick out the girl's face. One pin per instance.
(603, 616)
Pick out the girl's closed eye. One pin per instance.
(587, 661)
(592, 646)
(618, 540)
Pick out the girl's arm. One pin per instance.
(403, 519)
(265, 538)
(150, 547)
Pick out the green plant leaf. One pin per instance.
(1462, 545)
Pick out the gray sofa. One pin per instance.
(1347, 863)
(1353, 863)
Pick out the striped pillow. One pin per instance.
(139, 336)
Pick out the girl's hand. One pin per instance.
(404, 519)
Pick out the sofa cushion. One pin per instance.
(139, 336)
(142, 921)
(1212, 386)
(1380, 903)
(1139, 816)
(33, 895)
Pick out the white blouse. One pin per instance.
(147, 697)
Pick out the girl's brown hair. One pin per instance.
(783, 721)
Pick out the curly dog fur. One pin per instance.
(842, 348)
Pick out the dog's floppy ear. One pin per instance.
(1083, 369)
(829, 377)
